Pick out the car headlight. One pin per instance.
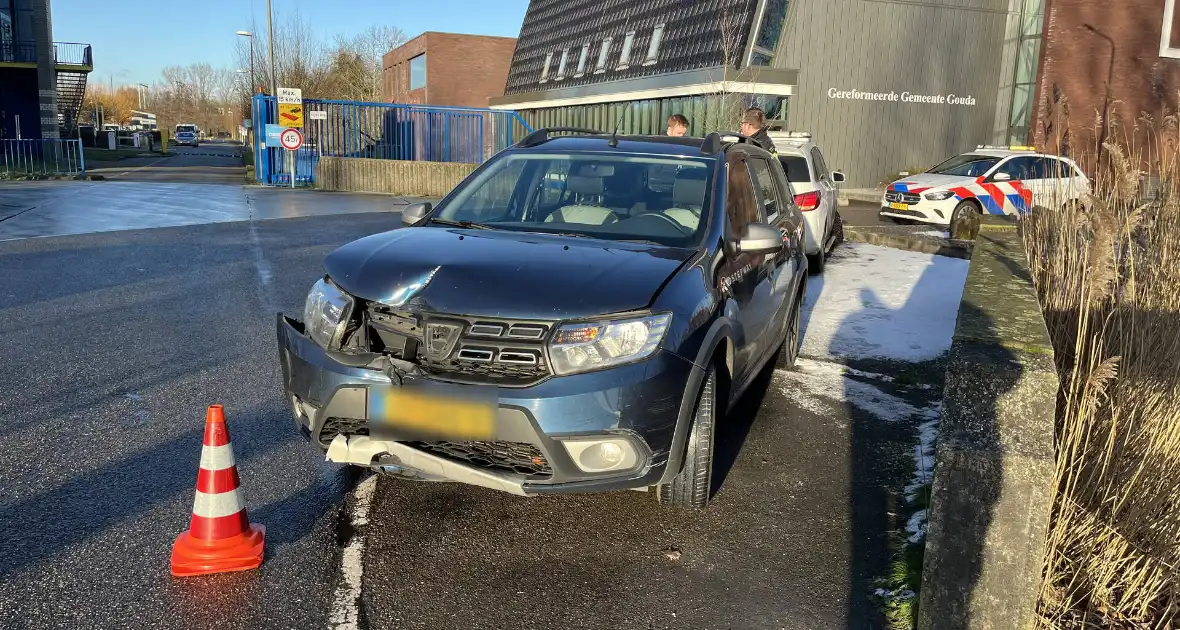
(326, 313)
(941, 195)
(587, 346)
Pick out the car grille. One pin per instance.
(507, 353)
(908, 213)
(516, 457)
(341, 426)
(894, 196)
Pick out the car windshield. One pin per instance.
(601, 195)
(966, 165)
(796, 168)
(185, 128)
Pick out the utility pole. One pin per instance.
(270, 35)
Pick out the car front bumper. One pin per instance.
(649, 404)
(925, 211)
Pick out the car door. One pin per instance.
(828, 192)
(1063, 180)
(1028, 170)
(776, 209)
(743, 279)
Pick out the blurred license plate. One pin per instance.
(899, 206)
(428, 414)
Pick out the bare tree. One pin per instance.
(356, 61)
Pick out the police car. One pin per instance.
(989, 180)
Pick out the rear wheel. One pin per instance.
(690, 488)
(789, 353)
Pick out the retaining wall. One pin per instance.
(414, 179)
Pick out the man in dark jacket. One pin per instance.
(754, 127)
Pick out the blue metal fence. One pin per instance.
(387, 131)
(22, 158)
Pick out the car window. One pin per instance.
(741, 204)
(966, 165)
(1024, 167)
(796, 168)
(821, 167)
(1057, 169)
(768, 194)
(607, 196)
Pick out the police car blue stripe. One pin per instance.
(989, 204)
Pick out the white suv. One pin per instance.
(993, 180)
(816, 189)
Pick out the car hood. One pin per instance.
(496, 273)
(925, 181)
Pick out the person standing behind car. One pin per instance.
(677, 125)
(754, 128)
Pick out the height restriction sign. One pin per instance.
(290, 107)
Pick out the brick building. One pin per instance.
(1111, 59)
(447, 69)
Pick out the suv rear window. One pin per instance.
(614, 197)
(796, 168)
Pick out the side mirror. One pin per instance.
(760, 239)
(838, 177)
(1001, 177)
(415, 213)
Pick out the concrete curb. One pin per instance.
(866, 195)
(892, 237)
(46, 178)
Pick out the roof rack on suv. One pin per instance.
(540, 136)
(713, 141)
(1010, 148)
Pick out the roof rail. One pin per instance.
(713, 141)
(1007, 148)
(540, 136)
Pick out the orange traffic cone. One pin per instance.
(220, 537)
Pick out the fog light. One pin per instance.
(602, 454)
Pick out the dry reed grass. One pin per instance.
(1109, 281)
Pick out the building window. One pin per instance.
(772, 19)
(582, 61)
(625, 55)
(653, 49)
(1028, 57)
(602, 53)
(545, 67)
(418, 72)
(565, 53)
(1170, 38)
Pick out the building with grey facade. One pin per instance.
(883, 85)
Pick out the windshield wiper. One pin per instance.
(471, 225)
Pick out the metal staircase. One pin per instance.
(71, 89)
(74, 63)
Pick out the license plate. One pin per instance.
(415, 413)
(899, 206)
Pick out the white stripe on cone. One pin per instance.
(217, 457)
(216, 505)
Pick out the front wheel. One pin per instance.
(789, 353)
(965, 221)
(690, 488)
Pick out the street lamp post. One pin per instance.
(270, 35)
(250, 36)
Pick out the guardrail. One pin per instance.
(24, 158)
(73, 54)
(19, 52)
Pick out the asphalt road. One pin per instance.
(116, 342)
(212, 162)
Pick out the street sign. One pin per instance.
(293, 96)
(272, 134)
(291, 139)
(291, 107)
(318, 115)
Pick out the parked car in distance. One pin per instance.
(816, 192)
(577, 315)
(992, 180)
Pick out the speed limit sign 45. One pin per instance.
(291, 139)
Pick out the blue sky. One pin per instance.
(134, 40)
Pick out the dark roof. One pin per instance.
(687, 146)
(694, 31)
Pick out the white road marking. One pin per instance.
(262, 266)
(346, 602)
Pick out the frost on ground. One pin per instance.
(876, 302)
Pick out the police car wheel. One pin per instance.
(964, 209)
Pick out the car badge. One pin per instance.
(441, 339)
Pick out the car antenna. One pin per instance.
(614, 137)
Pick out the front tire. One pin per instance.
(789, 353)
(965, 221)
(691, 487)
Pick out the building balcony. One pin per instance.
(68, 56)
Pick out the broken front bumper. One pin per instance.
(644, 404)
